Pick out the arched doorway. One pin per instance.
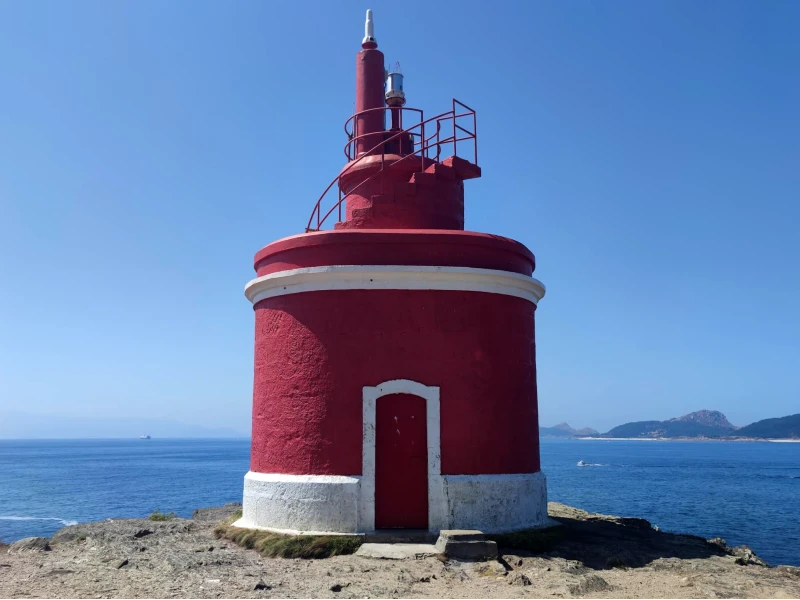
(405, 390)
(401, 462)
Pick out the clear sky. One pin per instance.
(647, 152)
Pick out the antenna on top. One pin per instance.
(369, 40)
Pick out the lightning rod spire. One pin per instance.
(369, 40)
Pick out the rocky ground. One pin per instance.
(598, 557)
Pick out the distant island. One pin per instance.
(564, 430)
(703, 424)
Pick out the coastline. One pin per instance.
(681, 439)
(587, 554)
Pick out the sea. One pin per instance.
(747, 493)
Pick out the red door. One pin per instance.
(401, 463)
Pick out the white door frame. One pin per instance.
(437, 508)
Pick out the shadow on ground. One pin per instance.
(606, 542)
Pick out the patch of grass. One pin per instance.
(532, 540)
(159, 516)
(276, 545)
(235, 516)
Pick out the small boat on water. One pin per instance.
(146, 436)
(582, 464)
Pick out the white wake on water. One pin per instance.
(64, 522)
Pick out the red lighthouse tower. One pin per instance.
(395, 363)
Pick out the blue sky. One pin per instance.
(647, 152)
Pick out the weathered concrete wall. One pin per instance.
(496, 502)
(301, 502)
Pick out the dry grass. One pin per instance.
(276, 545)
(159, 516)
(237, 514)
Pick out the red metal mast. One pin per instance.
(370, 76)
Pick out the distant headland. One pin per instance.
(703, 424)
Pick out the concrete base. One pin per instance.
(300, 504)
(400, 536)
(496, 503)
(397, 551)
(466, 544)
(322, 504)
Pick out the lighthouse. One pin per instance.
(395, 356)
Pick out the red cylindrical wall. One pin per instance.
(315, 351)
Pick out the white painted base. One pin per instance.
(495, 503)
(300, 503)
(311, 504)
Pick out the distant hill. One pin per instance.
(783, 427)
(703, 423)
(711, 418)
(565, 431)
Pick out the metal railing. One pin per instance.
(428, 150)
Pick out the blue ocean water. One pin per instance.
(747, 493)
(46, 484)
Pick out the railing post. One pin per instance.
(455, 130)
(475, 134)
(438, 141)
(422, 147)
(355, 139)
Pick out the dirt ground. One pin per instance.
(599, 557)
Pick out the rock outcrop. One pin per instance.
(30, 544)
(588, 555)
